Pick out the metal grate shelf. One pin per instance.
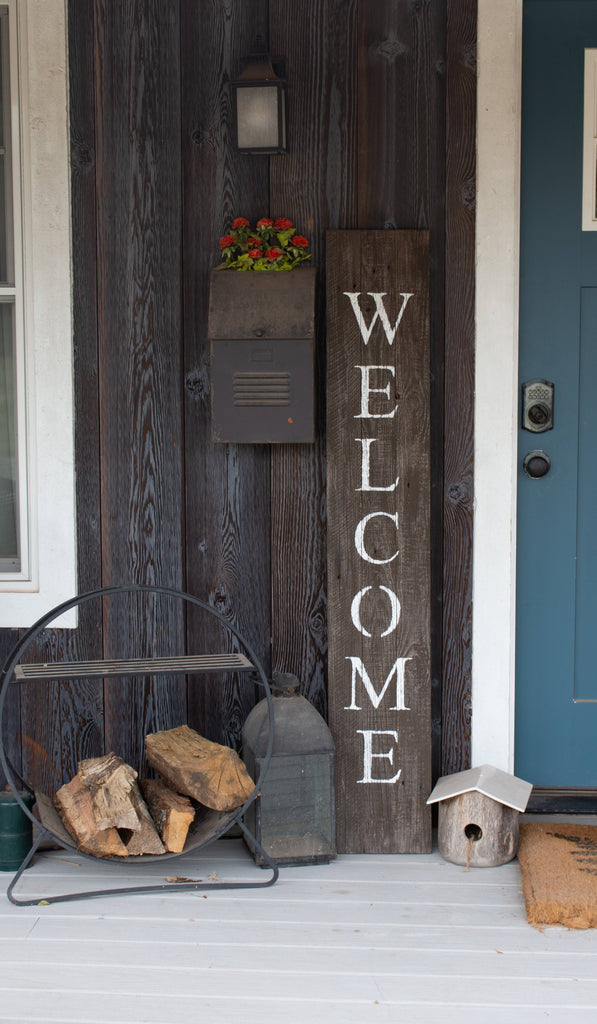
(190, 664)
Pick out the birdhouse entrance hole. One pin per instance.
(473, 832)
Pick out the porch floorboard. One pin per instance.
(363, 939)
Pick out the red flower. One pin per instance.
(227, 241)
(265, 222)
(254, 241)
(299, 240)
(282, 224)
(273, 254)
(254, 253)
(240, 222)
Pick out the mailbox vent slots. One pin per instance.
(261, 388)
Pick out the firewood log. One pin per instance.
(172, 813)
(145, 838)
(109, 781)
(75, 806)
(102, 808)
(209, 772)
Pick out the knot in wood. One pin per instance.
(391, 49)
(196, 383)
(469, 58)
(455, 492)
(469, 194)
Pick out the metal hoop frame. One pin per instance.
(15, 780)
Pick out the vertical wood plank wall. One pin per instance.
(381, 135)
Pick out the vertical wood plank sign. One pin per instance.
(379, 537)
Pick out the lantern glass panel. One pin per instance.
(257, 117)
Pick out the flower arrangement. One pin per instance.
(270, 245)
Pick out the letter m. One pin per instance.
(358, 669)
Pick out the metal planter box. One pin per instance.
(262, 336)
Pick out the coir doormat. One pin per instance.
(559, 873)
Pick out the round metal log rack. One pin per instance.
(215, 824)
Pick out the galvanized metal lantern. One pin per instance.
(294, 817)
(260, 105)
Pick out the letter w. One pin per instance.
(380, 311)
(376, 698)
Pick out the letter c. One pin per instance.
(359, 538)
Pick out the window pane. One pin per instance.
(6, 198)
(9, 493)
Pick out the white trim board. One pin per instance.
(43, 83)
(496, 380)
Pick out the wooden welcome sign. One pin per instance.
(379, 538)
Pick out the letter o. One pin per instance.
(355, 611)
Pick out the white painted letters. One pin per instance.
(367, 390)
(369, 754)
(377, 402)
(359, 537)
(380, 311)
(355, 611)
(358, 669)
(366, 484)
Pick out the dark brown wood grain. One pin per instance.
(82, 712)
(384, 412)
(459, 383)
(400, 53)
(227, 491)
(139, 202)
(315, 185)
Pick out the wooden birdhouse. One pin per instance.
(478, 815)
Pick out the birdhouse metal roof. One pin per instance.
(496, 784)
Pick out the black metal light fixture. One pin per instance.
(260, 106)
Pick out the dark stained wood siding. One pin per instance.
(381, 132)
(227, 489)
(458, 493)
(139, 204)
(316, 185)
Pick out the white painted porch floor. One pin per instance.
(409, 939)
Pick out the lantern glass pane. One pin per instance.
(257, 117)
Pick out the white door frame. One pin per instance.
(496, 380)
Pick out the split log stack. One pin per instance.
(111, 814)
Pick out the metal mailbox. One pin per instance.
(262, 337)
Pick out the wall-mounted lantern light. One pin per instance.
(260, 107)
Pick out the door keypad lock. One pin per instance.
(537, 406)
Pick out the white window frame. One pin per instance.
(14, 294)
(39, 99)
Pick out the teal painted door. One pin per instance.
(556, 670)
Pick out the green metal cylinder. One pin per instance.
(15, 831)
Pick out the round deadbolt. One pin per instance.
(538, 414)
(536, 464)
